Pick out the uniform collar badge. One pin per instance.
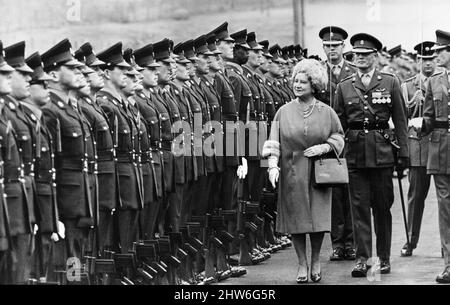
(60, 104)
(12, 106)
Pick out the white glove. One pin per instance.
(35, 229)
(274, 174)
(61, 232)
(242, 169)
(317, 150)
(416, 123)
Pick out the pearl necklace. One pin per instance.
(308, 112)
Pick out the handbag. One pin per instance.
(329, 172)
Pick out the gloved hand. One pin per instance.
(274, 174)
(61, 232)
(416, 123)
(242, 169)
(402, 164)
(317, 150)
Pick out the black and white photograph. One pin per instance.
(240, 145)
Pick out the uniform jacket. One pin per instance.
(124, 135)
(437, 110)
(105, 152)
(371, 149)
(19, 221)
(74, 148)
(414, 94)
(327, 96)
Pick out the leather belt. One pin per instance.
(442, 124)
(366, 125)
(76, 164)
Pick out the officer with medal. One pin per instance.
(436, 124)
(338, 69)
(364, 103)
(74, 149)
(413, 90)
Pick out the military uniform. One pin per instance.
(26, 139)
(436, 125)
(125, 136)
(44, 176)
(369, 154)
(419, 181)
(341, 221)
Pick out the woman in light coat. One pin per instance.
(303, 129)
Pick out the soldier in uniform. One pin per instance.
(271, 96)
(44, 171)
(124, 133)
(106, 168)
(338, 69)
(436, 123)
(26, 137)
(74, 148)
(174, 165)
(147, 104)
(17, 228)
(414, 90)
(273, 77)
(364, 103)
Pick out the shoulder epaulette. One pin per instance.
(437, 73)
(348, 77)
(387, 73)
(409, 79)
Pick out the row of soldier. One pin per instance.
(92, 183)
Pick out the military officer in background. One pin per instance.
(364, 103)
(274, 74)
(338, 69)
(124, 133)
(101, 130)
(26, 137)
(74, 149)
(16, 237)
(436, 123)
(44, 171)
(170, 216)
(414, 90)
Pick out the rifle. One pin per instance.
(125, 264)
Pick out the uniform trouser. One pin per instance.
(419, 184)
(201, 196)
(341, 218)
(174, 209)
(442, 183)
(42, 260)
(127, 225)
(77, 238)
(105, 233)
(228, 194)
(255, 180)
(188, 197)
(4, 267)
(371, 188)
(149, 218)
(22, 258)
